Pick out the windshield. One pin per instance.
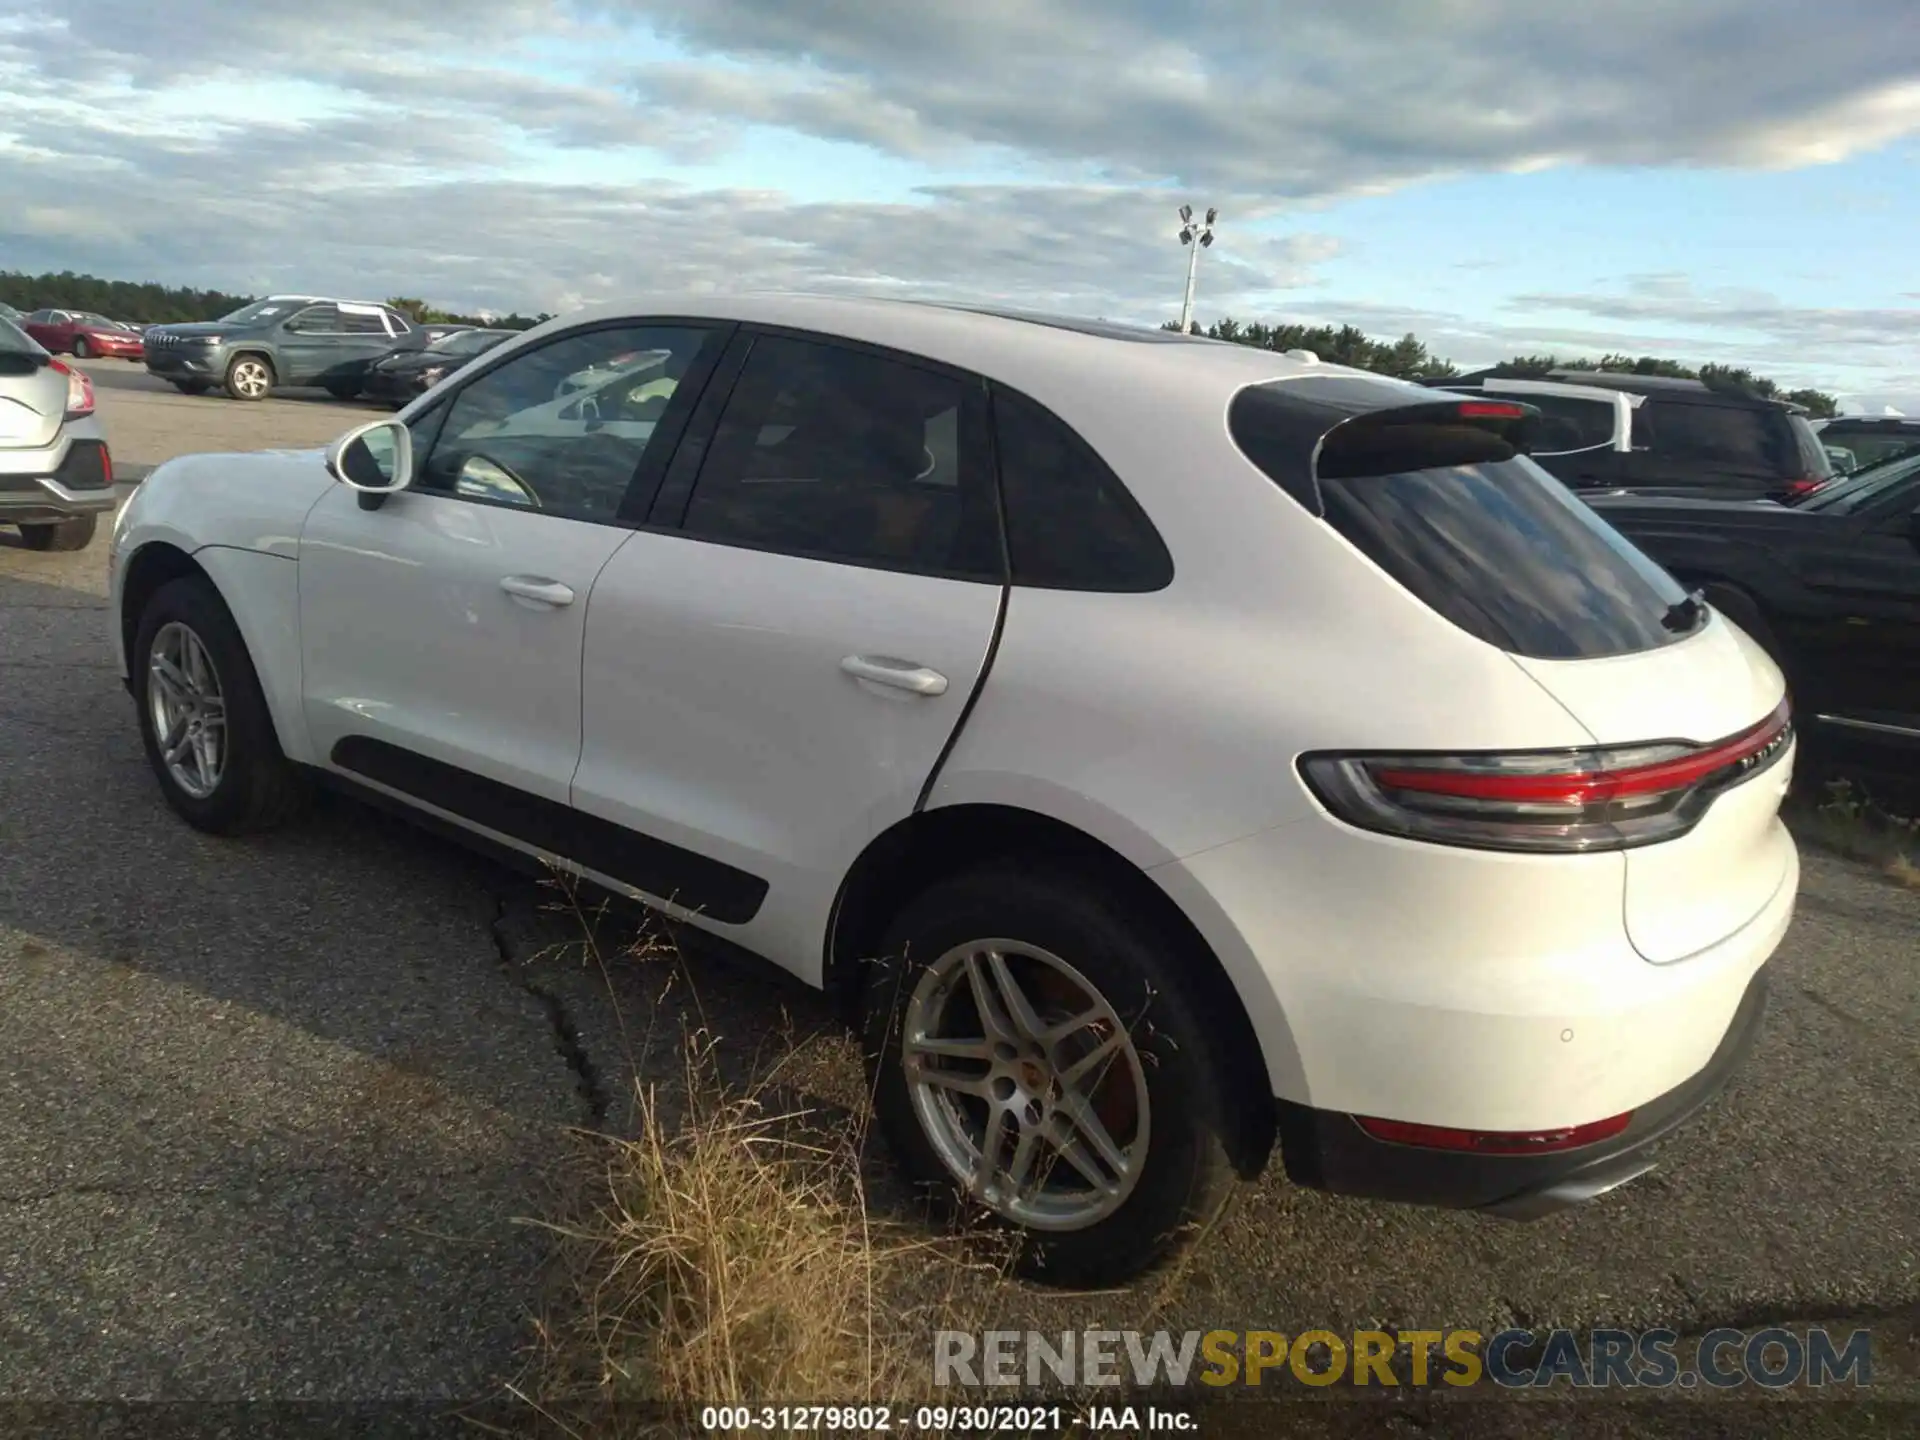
(259, 310)
(1860, 489)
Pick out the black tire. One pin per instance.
(344, 389)
(258, 787)
(192, 387)
(1185, 1177)
(74, 534)
(249, 377)
(81, 349)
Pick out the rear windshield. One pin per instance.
(1746, 439)
(1485, 537)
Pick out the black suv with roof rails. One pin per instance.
(1604, 431)
(279, 341)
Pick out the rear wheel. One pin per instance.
(81, 349)
(1035, 1057)
(203, 719)
(249, 377)
(74, 534)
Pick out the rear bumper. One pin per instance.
(1330, 1151)
(80, 483)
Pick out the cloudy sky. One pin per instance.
(1730, 180)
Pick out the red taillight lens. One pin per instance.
(1795, 489)
(79, 390)
(1560, 801)
(1490, 410)
(1494, 1142)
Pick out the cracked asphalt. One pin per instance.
(274, 1113)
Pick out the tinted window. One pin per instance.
(1569, 424)
(1071, 525)
(1725, 436)
(1486, 538)
(1870, 447)
(315, 320)
(1815, 463)
(562, 428)
(359, 322)
(845, 455)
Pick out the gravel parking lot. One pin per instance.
(272, 1108)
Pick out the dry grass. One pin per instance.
(724, 1249)
(1849, 822)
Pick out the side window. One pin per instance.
(315, 320)
(361, 322)
(1071, 525)
(1718, 435)
(562, 428)
(397, 323)
(840, 454)
(1567, 424)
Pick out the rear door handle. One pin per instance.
(899, 674)
(538, 590)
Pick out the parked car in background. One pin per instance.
(1870, 439)
(81, 334)
(399, 377)
(1647, 433)
(1829, 585)
(281, 340)
(56, 475)
(1146, 737)
(439, 331)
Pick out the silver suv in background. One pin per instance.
(55, 472)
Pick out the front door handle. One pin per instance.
(538, 591)
(899, 674)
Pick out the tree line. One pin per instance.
(1406, 358)
(147, 303)
(1409, 359)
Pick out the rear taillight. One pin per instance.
(1561, 801)
(1494, 1142)
(79, 390)
(1798, 489)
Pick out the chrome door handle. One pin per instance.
(538, 590)
(900, 674)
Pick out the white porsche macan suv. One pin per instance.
(1165, 747)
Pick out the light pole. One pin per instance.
(1189, 233)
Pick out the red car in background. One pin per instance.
(81, 334)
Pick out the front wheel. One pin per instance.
(81, 349)
(74, 534)
(1034, 1055)
(203, 719)
(249, 377)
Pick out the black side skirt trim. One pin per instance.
(694, 882)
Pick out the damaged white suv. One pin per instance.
(1163, 746)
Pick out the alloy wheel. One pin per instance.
(1027, 1084)
(251, 378)
(188, 710)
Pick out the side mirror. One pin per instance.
(375, 459)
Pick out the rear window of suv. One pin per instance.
(1726, 437)
(1462, 519)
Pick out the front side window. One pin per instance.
(562, 428)
(841, 454)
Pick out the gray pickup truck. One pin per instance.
(279, 341)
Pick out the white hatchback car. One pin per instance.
(1164, 746)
